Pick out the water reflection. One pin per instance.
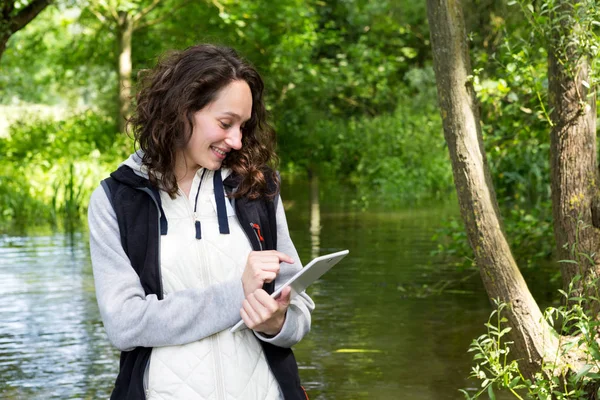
(315, 217)
(400, 347)
(369, 339)
(52, 344)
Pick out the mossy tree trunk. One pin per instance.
(533, 337)
(574, 166)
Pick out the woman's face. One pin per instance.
(218, 128)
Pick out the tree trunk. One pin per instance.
(573, 164)
(125, 34)
(3, 41)
(533, 337)
(10, 23)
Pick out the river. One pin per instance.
(378, 331)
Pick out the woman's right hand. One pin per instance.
(261, 267)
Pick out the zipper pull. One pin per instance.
(197, 223)
(256, 228)
(198, 230)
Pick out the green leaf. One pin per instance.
(594, 351)
(491, 393)
(568, 346)
(505, 331)
(568, 261)
(583, 371)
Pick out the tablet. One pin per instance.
(303, 278)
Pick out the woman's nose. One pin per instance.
(234, 139)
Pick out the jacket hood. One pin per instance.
(135, 163)
(131, 172)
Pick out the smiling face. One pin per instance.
(217, 130)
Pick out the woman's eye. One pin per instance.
(225, 126)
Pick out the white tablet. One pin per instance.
(303, 278)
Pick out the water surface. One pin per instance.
(377, 331)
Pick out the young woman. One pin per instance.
(189, 235)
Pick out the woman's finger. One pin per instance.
(268, 276)
(263, 312)
(251, 313)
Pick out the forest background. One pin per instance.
(350, 88)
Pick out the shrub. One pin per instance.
(52, 166)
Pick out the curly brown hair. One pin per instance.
(183, 83)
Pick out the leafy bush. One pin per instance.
(579, 335)
(394, 158)
(572, 371)
(52, 166)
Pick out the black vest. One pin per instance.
(141, 223)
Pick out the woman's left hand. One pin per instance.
(263, 313)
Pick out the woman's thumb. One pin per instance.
(284, 298)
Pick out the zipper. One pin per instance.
(218, 367)
(214, 340)
(197, 225)
(205, 277)
(259, 238)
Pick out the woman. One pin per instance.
(189, 235)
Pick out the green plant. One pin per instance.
(390, 159)
(579, 335)
(577, 326)
(51, 168)
(491, 350)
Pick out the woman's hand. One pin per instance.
(261, 267)
(265, 314)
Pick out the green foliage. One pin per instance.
(529, 233)
(491, 350)
(578, 331)
(573, 372)
(348, 86)
(52, 166)
(511, 85)
(571, 29)
(395, 158)
(57, 60)
(511, 82)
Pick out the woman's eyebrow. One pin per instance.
(234, 115)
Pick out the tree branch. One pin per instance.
(218, 5)
(145, 11)
(161, 19)
(112, 10)
(27, 14)
(103, 11)
(98, 15)
(150, 23)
